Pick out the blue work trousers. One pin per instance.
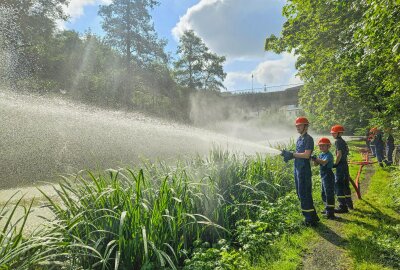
(328, 191)
(302, 177)
(340, 188)
(347, 191)
(389, 153)
(379, 152)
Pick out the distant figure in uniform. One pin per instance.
(389, 147)
(367, 140)
(302, 171)
(325, 161)
(379, 145)
(342, 177)
(371, 136)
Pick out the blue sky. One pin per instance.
(234, 28)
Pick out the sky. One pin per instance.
(234, 28)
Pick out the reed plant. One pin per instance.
(19, 249)
(150, 217)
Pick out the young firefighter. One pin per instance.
(325, 161)
(342, 181)
(302, 171)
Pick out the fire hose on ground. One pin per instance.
(356, 182)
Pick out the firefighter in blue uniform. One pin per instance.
(302, 171)
(389, 147)
(379, 145)
(342, 177)
(325, 161)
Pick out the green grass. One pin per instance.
(370, 235)
(374, 229)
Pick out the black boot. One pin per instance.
(341, 210)
(331, 216)
(349, 203)
(312, 223)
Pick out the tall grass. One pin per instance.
(19, 250)
(150, 218)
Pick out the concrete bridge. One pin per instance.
(258, 100)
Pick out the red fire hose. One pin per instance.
(364, 152)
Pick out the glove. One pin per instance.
(334, 166)
(287, 155)
(314, 157)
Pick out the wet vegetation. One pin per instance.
(222, 210)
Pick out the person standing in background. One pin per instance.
(389, 147)
(379, 146)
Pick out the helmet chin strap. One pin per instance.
(304, 128)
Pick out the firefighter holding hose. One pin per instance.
(302, 170)
(342, 180)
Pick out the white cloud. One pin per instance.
(275, 71)
(235, 28)
(295, 79)
(269, 72)
(76, 7)
(233, 79)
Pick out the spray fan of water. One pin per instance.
(41, 138)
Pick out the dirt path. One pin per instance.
(329, 250)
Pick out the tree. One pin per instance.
(345, 57)
(197, 67)
(29, 27)
(128, 28)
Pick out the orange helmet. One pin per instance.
(337, 129)
(373, 130)
(323, 141)
(302, 120)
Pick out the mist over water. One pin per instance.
(41, 138)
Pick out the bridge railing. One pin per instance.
(265, 89)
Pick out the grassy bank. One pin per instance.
(373, 229)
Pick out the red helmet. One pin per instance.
(302, 120)
(323, 141)
(337, 129)
(373, 130)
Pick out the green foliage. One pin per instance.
(129, 29)
(152, 217)
(273, 220)
(221, 256)
(395, 187)
(26, 28)
(197, 67)
(348, 58)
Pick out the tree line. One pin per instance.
(348, 57)
(127, 68)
